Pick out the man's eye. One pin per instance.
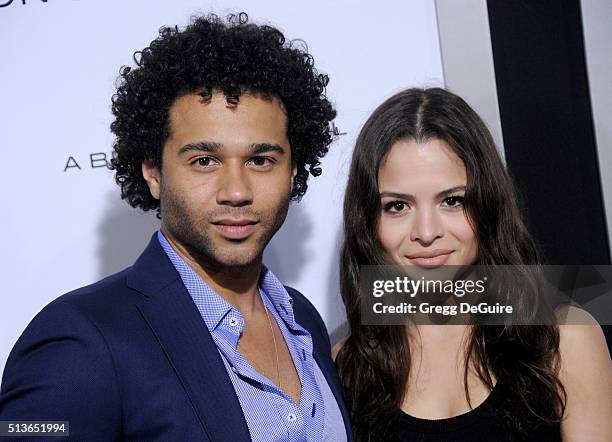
(261, 161)
(203, 161)
(453, 201)
(395, 206)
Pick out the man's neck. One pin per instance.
(236, 284)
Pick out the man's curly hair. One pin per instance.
(234, 57)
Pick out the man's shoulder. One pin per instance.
(103, 301)
(110, 288)
(62, 361)
(82, 315)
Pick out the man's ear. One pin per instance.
(152, 176)
(293, 173)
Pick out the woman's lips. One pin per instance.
(430, 260)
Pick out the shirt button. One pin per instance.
(291, 417)
(233, 322)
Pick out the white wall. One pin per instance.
(59, 59)
(467, 59)
(596, 22)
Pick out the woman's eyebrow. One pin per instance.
(450, 191)
(441, 194)
(399, 195)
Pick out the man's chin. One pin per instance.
(220, 252)
(236, 261)
(236, 256)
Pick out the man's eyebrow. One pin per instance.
(259, 148)
(202, 146)
(408, 196)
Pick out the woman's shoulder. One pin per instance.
(586, 374)
(582, 347)
(579, 335)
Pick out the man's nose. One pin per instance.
(235, 187)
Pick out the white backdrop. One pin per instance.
(62, 229)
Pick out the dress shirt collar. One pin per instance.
(213, 308)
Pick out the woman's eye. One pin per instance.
(395, 206)
(453, 201)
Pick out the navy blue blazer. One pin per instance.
(130, 358)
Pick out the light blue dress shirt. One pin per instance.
(271, 415)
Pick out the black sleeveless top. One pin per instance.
(482, 424)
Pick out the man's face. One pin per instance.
(226, 177)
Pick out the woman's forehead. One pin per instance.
(426, 165)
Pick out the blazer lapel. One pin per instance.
(181, 332)
(331, 375)
(323, 358)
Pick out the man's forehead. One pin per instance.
(213, 125)
(192, 109)
(217, 100)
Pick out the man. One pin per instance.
(217, 128)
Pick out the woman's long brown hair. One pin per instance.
(374, 361)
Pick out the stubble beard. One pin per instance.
(194, 232)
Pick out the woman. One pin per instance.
(426, 188)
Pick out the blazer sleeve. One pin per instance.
(61, 369)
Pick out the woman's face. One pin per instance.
(422, 222)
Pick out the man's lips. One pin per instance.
(430, 258)
(235, 228)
